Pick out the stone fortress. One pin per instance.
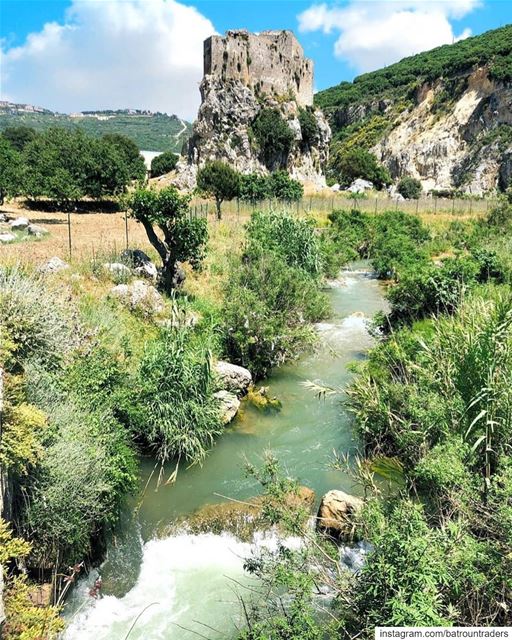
(271, 63)
(243, 74)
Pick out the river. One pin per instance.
(186, 586)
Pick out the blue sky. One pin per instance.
(70, 55)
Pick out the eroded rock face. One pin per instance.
(232, 377)
(453, 146)
(231, 101)
(337, 513)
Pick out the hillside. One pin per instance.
(442, 116)
(150, 131)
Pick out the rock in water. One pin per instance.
(337, 513)
(232, 377)
(229, 405)
(243, 74)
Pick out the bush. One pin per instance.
(293, 239)
(308, 126)
(354, 163)
(409, 188)
(274, 293)
(254, 188)
(129, 152)
(10, 170)
(282, 187)
(164, 163)
(399, 243)
(274, 138)
(172, 408)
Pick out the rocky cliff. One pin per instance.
(444, 116)
(245, 74)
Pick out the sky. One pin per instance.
(75, 55)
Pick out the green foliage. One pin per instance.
(409, 188)
(172, 408)
(130, 153)
(279, 185)
(401, 79)
(34, 319)
(293, 239)
(282, 187)
(183, 238)
(10, 170)
(219, 180)
(156, 132)
(26, 620)
(274, 138)
(254, 188)
(399, 243)
(66, 165)
(354, 163)
(273, 293)
(308, 126)
(10, 546)
(163, 163)
(348, 237)
(19, 136)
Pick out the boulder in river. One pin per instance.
(229, 405)
(338, 513)
(233, 377)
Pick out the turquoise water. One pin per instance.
(188, 581)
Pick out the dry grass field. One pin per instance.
(101, 236)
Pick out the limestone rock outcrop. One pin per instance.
(232, 377)
(243, 74)
(453, 142)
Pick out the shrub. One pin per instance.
(359, 163)
(172, 408)
(10, 170)
(19, 136)
(164, 163)
(254, 188)
(274, 138)
(409, 188)
(291, 238)
(399, 243)
(308, 126)
(283, 187)
(219, 180)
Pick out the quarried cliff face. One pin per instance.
(460, 141)
(245, 74)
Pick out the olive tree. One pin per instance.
(181, 238)
(219, 180)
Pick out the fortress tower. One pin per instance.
(270, 63)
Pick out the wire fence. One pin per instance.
(325, 204)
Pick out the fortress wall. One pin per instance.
(271, 63)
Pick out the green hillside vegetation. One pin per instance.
(155, 132)
(401, 80)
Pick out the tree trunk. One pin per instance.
(218, 202)
(171, 276)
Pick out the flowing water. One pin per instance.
(186, 586)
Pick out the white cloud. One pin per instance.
(375, 34)
(108, 54)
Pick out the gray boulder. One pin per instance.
(229, 405)
(19, 224)
(232, 377)
(54, 265)
(147, 270)
(36, 230)
(6, 238)
(139, 296)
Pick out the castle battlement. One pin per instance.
(271, 63)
